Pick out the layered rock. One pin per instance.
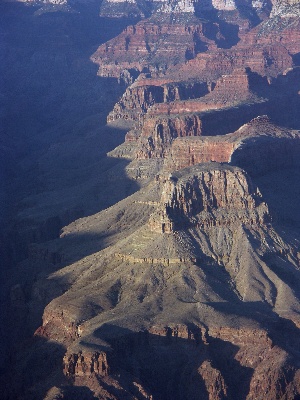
(150, 45)
(204, 195)
(268, 59)
(158, 134)
(258, 147)
(158, 131)
(135, 102)
(186, 279)
(207, 216)
(169, 120)
(235, 99)
(185, 153)
(144, 93)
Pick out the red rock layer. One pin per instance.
(266, 60)
(149, 45)
(185, 153)
(158, 134)
(240, 86)
(258, 147)
(144, 93)
(166, 121)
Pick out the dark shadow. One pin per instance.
(224, 34)
(229, 34)
(246, 11)
(200, 46)
(286, 101)
(36, 368)
(283, 332)
(56, 115)
(296, 59)
(237, 378)
(167, 363)
(285, 272)
(220, 282)
(77, 393)
(281, 191)
(272, 154)
(53, 132)
(227, 120)
(280, 101)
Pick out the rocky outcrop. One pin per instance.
(214, 382)
(59, 327)
(184, 287)
(135, 102)
(166, 119)
(149, 46)
(274, 369)
(229, 90)
(86, 363)
(185, 153)
(169, 120)
(204, 195)
(250, 353)
(144, 93)
(159, 261)
(258, 147)
(266, 60)
(158, 134)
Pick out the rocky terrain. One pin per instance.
(151, 247)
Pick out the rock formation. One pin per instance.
(152, 45)
(185, 285)
(259, 146)
(203, 195)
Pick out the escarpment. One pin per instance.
(144, 93)
(150, 46)
(258, 147)
(208, 195)
(185, 284)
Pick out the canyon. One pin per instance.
(149, 200)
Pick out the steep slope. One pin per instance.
(204, 255)
(186, 284)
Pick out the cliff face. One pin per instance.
(158, 134)
(145, 93)
(188, 287)
(202, 197)
(150, 46)
(258, 147)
